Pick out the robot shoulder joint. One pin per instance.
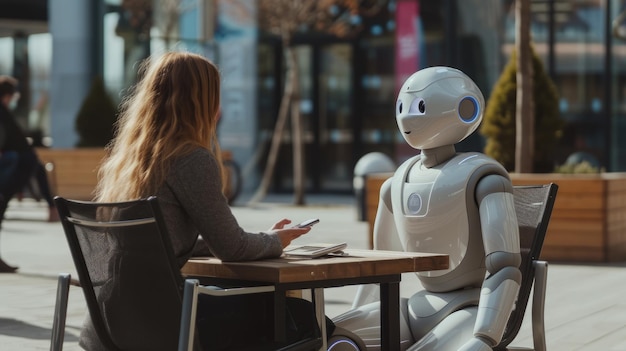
(492, 183)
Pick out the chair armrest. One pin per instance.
(538, 306)
(216, 291)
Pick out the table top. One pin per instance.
(356, 264)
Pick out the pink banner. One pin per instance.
(407, 40)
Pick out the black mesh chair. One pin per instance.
(122, 250)
(533, 205)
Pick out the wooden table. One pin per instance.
(358, 267)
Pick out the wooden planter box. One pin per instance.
(588, 222)
(73, 173)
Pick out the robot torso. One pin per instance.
(435, 210)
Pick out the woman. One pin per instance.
(166, 145)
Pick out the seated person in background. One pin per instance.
(9, 157)
(166, 145)
(43, 188)
(14, 142)
(8, 163)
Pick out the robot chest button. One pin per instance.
(414, 203)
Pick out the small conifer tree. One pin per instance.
(96, 117)
(499, 125)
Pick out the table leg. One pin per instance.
(390, 316)
(280, 328)
(320, 314)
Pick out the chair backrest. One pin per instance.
(127, 271)
(533, 207)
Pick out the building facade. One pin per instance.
(347, 84)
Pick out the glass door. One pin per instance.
(335, 118)
(325, 103)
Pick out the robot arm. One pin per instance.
(385, 231)
(494, 195)
(385, 238)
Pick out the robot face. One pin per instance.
(438, 106)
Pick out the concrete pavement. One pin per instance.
(585, 308)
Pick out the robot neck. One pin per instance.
(432, 157)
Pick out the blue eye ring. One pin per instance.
(466, 115)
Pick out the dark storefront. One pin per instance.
(348, 85)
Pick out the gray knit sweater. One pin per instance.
(192, 203)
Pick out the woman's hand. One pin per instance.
(286, 235)
(280, 224)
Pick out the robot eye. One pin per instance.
(468, 109)
(399, 107)
(418, 107)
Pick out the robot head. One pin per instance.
(438, 106)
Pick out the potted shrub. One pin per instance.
(96, 117)
(498, 126)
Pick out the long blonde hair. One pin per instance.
(172, 110)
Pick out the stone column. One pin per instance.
(72, 68)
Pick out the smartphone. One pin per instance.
(307, 223)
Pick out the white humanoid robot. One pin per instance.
(460, 204)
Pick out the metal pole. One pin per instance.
(608, 75)
(551, 41)
(451, 36)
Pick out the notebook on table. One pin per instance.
(315, 250)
